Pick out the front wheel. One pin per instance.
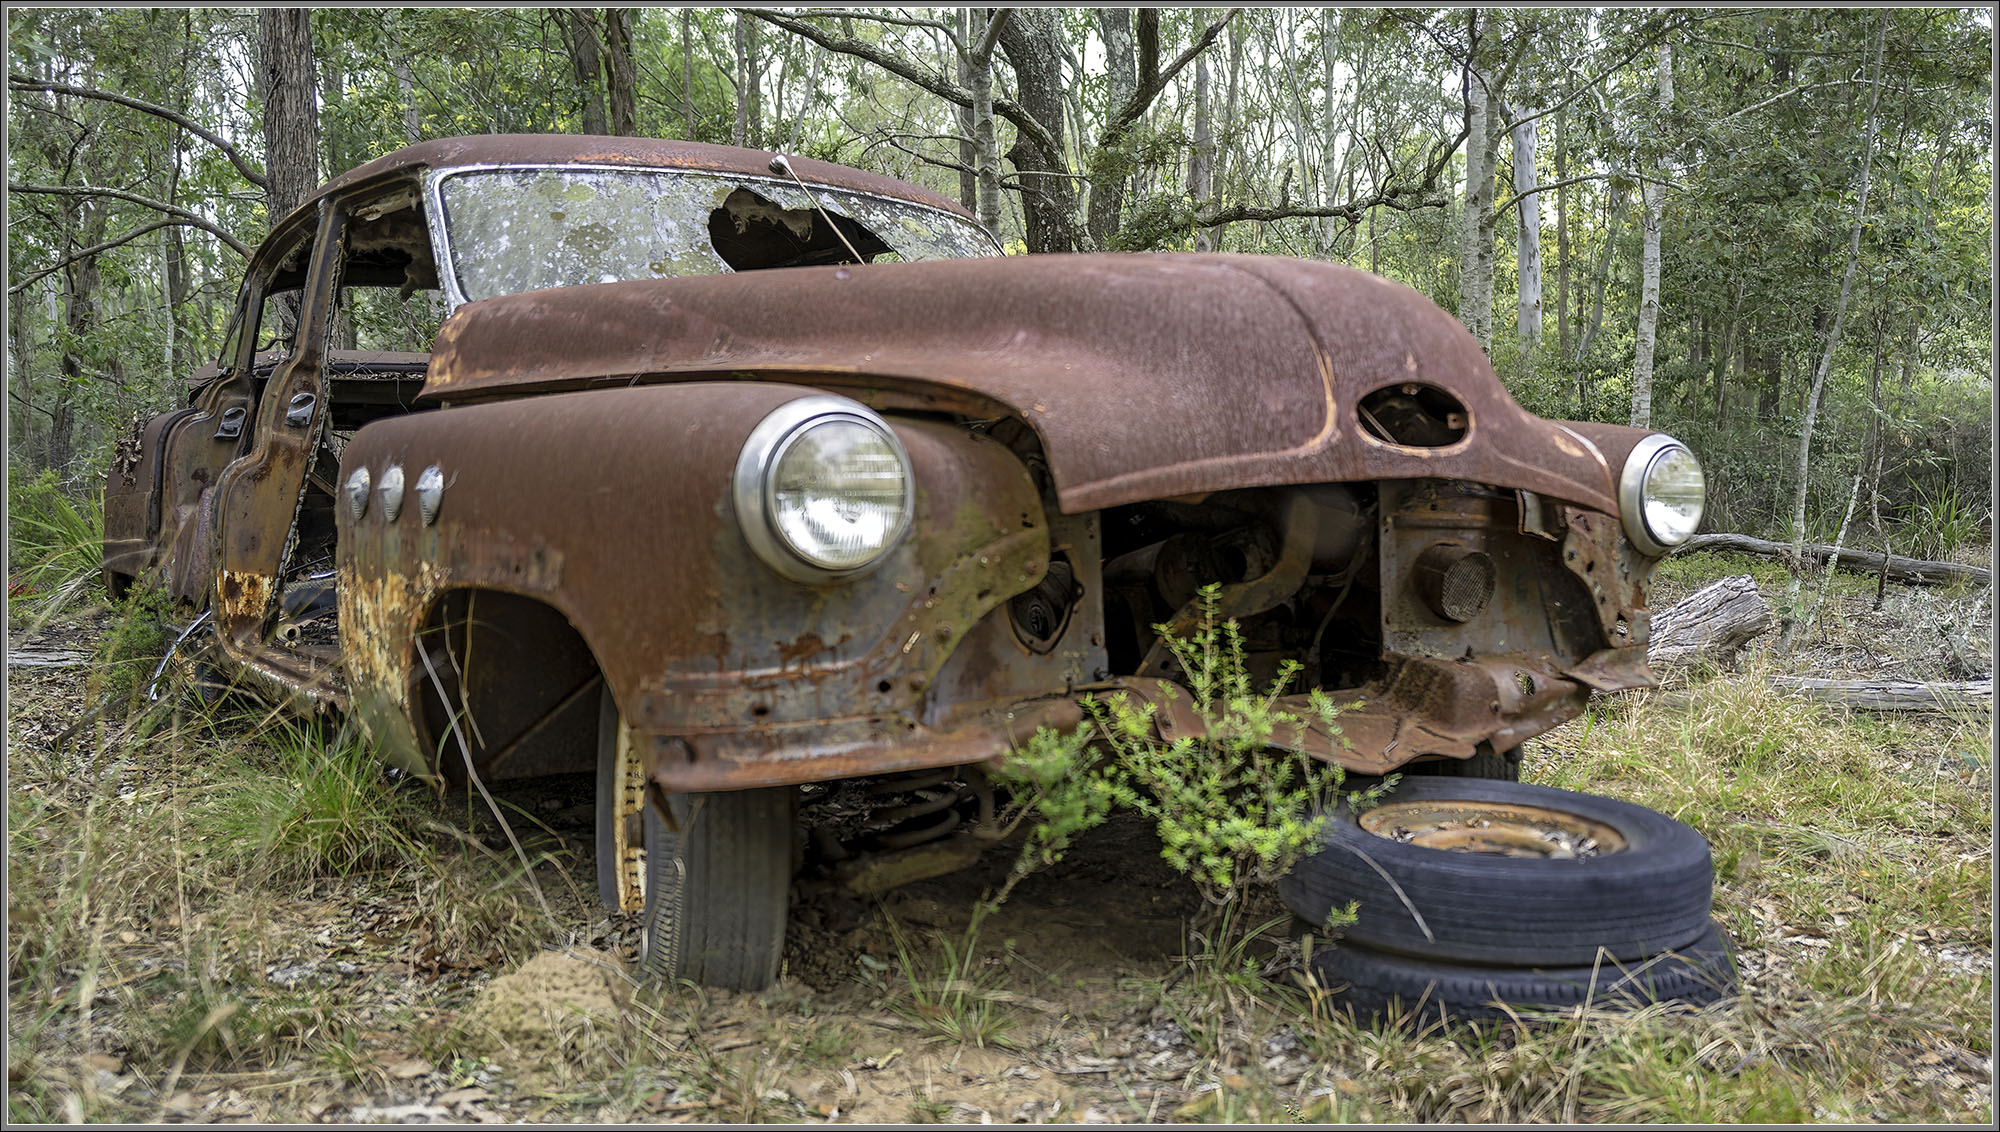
(713, 886)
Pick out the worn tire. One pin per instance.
(1376, 984)
(718, 892)
(1649, 897)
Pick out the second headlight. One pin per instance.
(822, 489)
(1662, 492)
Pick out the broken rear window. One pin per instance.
(523, 229)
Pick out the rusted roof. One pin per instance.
(644, 153)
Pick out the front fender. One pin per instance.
(613, 506)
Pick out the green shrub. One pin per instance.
(1231, 809)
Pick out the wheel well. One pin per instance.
(518, 681)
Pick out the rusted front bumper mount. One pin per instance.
(1427, 709)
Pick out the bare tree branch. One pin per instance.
(1154, 81)
(250, 172)
(1521, 196)
(92, 250)
(1397, 198)
(183, 215)
(927, 80)
(1591, 84)
(878, 18)
(984, 49)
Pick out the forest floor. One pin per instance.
(396, 962)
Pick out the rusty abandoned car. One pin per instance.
(767, 488)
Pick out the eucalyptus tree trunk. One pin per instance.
(406, 83)
(1528, 245)
(1110, 168)
(1791, 622)
(1475, 264)
(985, 139)
(1603, 272)
(1329, 124)
(1653, 196)
(968, 158)
(742, 135)
(1050, 217)
(1727, 363)
(286, 76)
(689, 125)
(1231, 99)
(621, 84)
(1562, 235)
(1201, 157)
(81, 281)
(586, 63)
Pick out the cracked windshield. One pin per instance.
(525, 229)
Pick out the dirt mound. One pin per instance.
(548, 1009)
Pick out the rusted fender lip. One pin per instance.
(819, 752)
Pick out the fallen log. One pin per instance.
(1910, 571)
(1712, 623)
(1891, 695)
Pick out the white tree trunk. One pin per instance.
(1201, 158)
(1475, 264)
(1832, 338)
(742, 135)
(985, 140)
(1649, 307)
(1654, 197)
(1528, 305)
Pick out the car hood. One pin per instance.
(1146, 376)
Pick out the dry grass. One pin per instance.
(170, 958)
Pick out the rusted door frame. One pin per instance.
(258, 495)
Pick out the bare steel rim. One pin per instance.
(629, 785)
(1502, 829)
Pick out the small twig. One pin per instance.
(1400, 894)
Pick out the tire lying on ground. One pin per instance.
(1377, 984)
(1484, 871)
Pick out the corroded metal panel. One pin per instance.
(615, 508)
(1146, 376)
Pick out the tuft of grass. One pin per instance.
(950, 994)
(1940, 521)
(55, 546)
(308, 807)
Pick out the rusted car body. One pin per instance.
(550, 540)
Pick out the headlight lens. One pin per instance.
(823, 489)
(839, 493)
(1661, 492)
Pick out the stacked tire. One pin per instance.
(1479, 898)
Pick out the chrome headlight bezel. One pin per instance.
(1633, 481)
(754, 487)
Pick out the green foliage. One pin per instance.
(953, 995)
(1230, 808)
(1939, 522)
(131, 651)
